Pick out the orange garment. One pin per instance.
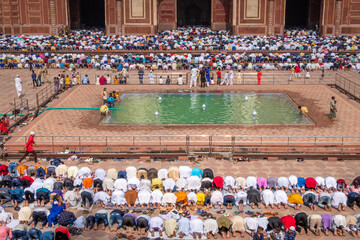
(181, 197)
(131, 197)
(88, 182)
(21, 169)
(295, 199)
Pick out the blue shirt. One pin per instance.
(18, 192)
(85, 80)
(290, 236)
(197, 172)
(110, 99)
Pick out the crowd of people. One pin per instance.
(190, 201)
(189, 38)
(318, 52)
(185, 61)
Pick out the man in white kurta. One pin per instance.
(338, 200)
(18, 85)
(267, 197)
(193, 78)
(280, 197)
(144, 198)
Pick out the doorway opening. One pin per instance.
(303, 14)
(87, 14)
(193, 13)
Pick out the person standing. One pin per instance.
(18, 85)
(218, 73)
(56, 83)
(202, 77)
(104, 96)
(151, 77)
(39, 76)
(226, 78)
(194, 75)
(141, 76)
(239, 77)
(332, 108)
(207, 77)
(259, 74)
(297, 71)
(29, 148)
(231, 77)
(33, 76)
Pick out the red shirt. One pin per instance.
(218, 182)
(28, 178)
(218, 73)
(102, 81)
(310, 183)
(288, 221)
(29, 144)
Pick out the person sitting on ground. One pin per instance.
(104, 110)
(303, 110)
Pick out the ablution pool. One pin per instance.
(206, 108)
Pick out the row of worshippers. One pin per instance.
(183, 61)
(177, 223)
(147, 188)
(197, 38)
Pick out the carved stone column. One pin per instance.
(119, 20)
(270, 18)
(338, 16)
(52, 18)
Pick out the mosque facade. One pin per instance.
(242, 17)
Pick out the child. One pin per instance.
(4, 153)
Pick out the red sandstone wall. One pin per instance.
(350, 17)
(167, 15)
(38, 17)
(221, 14)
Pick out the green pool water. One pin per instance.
(178, 108)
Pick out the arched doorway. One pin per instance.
(194, 13)
(87, 13)
(303, 14)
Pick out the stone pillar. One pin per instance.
(234, 17)
(270, 18)
(118, 13)
(53, 18)
(338, 16)
(154, 17)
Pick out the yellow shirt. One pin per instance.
(304, 110)
(104, 108)
(200, 198)
(21, 169)
(157, 182)
(67, 81)
(104, 95)
(116, 80)
(295, 198)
